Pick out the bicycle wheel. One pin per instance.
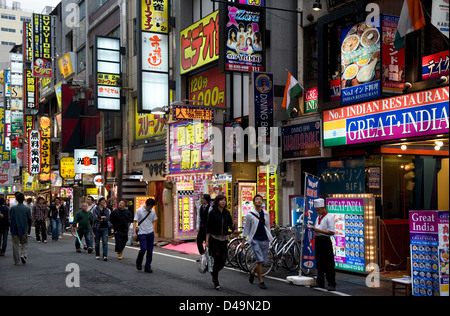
(250, 261)
(240, 256)
(291, 258)
(231, 260)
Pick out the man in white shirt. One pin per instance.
(145, 218)
(257, 231)
(324, 229)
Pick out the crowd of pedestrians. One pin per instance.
(96, 220)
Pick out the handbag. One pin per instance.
(137, 228)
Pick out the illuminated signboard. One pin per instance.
(355, 238)
(192, 114)
(208, 88)
(190, 148)
(34, 152)
(435, 66)
(259, 3)
(107, 69)
(149, 125)
(67, 167)
(86, 161)
(66, 66)
(28, 41)
(42, 46)
(30, 90)
(302, 140)
(200, 43)
(155, 16)
(422, 113)
(361, 58)
(242, 38)
(153, 56)
(44, 176)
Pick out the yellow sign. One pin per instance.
(191, 114)
(155, 17)
(67, 167)
(91, 191)
(108, 80)
(150, 125)
(199, 43)
(65, 65)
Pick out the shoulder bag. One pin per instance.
(137, 228)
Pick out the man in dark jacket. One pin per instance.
(121, 219)
(20, 215)
(82, 222)
(4, 226)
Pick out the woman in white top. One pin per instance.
(324, 229)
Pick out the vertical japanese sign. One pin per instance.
(310, 216)
(107, 71)
(34, 152)
(45, 123)
(361, 62)
(272, 194)
(153, 59)
(4, 154)
(42, 46)
(242, 38)
(393, 68)
(200, 43)
(429, 243)
(30, 90)
(27, 42)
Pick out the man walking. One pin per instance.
(121, 219)
(144, 220)
(20, 215)
(40, 216)
(324, 229)
(4, 226)
(257, 232)
(83, 225)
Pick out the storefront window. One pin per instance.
(398, 186)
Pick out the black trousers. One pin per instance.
(325, 261)
(40, 229)
(201, 237)
(218, 250)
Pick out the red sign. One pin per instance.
(393, 60)
(209, 87)
(435, 66)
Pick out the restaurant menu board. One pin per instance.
(349, 240)
(429, 252)
(361, 62)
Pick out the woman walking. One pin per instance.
(219, 222)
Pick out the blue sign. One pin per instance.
(263, 92)
(311, 193)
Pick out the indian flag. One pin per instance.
(292, 90)
(412, 19)
(335, 133)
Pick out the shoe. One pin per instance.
(331, 288)
(85, 247)
(45, 241)
(139, 266)
(105, 258)
(78, 250)
(23, 259)
(251, 278)
(89, 250)
(2, 254)
(97, 257)
(119, 256)
(148, 270)
(262, 286)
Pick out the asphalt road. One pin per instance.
(49, 271)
